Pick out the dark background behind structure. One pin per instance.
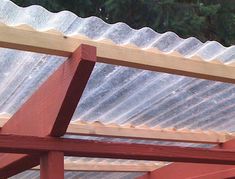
(204, 19)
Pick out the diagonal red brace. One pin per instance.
(50, 109)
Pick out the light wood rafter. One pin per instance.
(108, 167)
(142, 132)
(52, 42)
(3, 119)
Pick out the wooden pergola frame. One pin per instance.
(34, 129)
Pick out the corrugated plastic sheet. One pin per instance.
(117, 94)
(83, 175)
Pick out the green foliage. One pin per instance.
(204, 19)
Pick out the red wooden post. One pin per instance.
(52, 165)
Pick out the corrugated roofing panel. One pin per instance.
(84, 175)
(120, 94)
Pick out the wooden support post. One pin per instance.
(52, 165)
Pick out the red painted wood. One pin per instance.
(229, 173)
(25, 162)
(49, 110)
(52, 165)
(190, 170)
(85, 148)
(53, 104)
(184, 170)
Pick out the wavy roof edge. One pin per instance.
(6, 116)
(69, 24)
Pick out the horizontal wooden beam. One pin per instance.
(25, 38)
(193, 170)
(142, 132)
(86, 148)
(107, 167)
(226, 174)
(3, 119)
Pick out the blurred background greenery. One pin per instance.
(204, 19)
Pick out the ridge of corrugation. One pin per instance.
(117, 94)
(69, 24)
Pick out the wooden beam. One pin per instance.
(227, 174)
(26, 162)
(191, 170)
(52, 165)
(49, 110)
(107, 167)
(143, 132)
(53, 104)
(86, 148)
(208, 172)
(3, 119)
(55, 43)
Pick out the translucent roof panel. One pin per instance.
(123, 95)
(85, 175)
(116, 94)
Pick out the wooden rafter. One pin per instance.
(107, 167)
(3, 119)
(142, 132)
(49, 110)
(88, 148)
(25, 38)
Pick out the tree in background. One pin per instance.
(204, 19)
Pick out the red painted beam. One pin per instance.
(191, 170)
(52, 165)
(86, 148)
(185, 171)
(49, 110)
(229, 173)
(25, 162)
